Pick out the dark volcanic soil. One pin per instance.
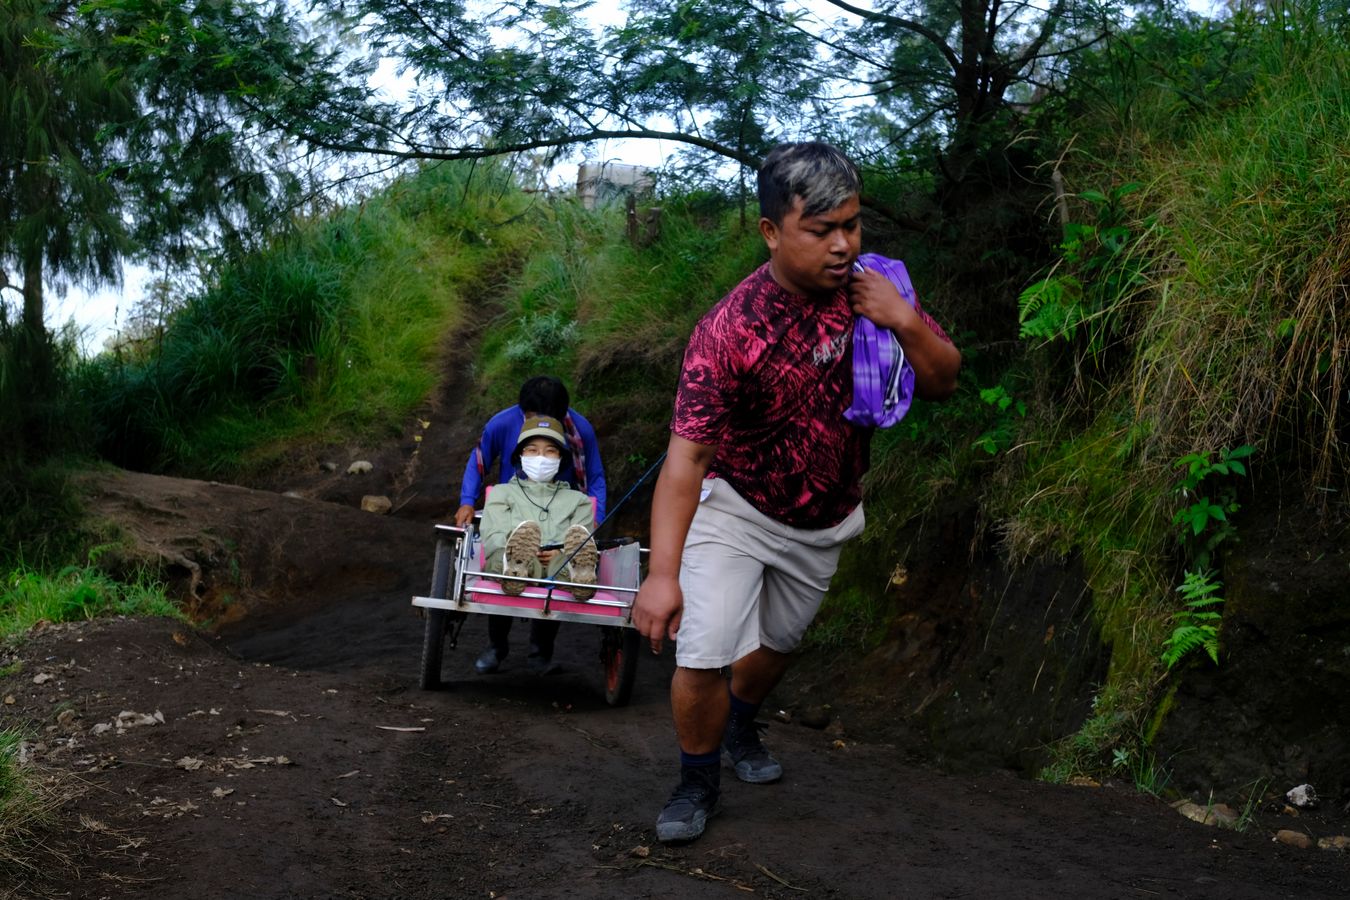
(286, 752)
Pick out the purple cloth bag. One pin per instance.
(883, 380)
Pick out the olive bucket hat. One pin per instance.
(540, 426)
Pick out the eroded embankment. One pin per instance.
(985, 665)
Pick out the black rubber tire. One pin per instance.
(619, 652)
(433, 648)
(433, 634)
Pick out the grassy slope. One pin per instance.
(330, 333)
(1225, 333)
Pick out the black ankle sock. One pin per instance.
(742, 713)
(700, 760)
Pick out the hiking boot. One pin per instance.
(489, 661)
(521, 559)
(690, 806)
(743, 747)
(582, 567)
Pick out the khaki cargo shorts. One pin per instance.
(749, 581)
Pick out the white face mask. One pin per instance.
(540, 468)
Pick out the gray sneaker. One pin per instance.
(752, 762)
(521, 557)
(690, 806)
(581, 569)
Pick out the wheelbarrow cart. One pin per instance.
(460, 587)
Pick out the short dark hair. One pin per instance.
(545, 395)
(818, 173)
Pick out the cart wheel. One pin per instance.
(619, 652)
(433, 635)
(433, 648)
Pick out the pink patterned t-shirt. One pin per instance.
(767, 376)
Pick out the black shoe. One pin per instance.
(538, 664)
(743, 747)
(692, 804)
(488, 661)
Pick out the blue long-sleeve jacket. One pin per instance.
(499, 439)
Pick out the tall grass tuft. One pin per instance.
(1246, 342)
(43, 522)
(75, 593)
(27, 807)
(40, 414)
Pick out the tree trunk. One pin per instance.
(34, 314)
(34, 351)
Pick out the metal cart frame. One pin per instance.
(460, 586)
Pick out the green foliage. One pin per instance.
(1103, 271)
(723, 78)
(43, 521)
(1255, 791)
(541, 340)
(59, 216)
(1254, 199)
(103, 157)
(40, 413)
(1198, 622)
(612, 319)
(1000, 437)
(1142, 767)
(1206, 514)
(1155, 79)
(75, 593)
(1111, 733)
(1204, 525)
(1228, 331)
(11, 780)
(723, 56)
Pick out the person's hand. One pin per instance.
(464, 515)
(871, 294)
(658, 608)
(546, 557)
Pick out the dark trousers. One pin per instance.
(543, 632)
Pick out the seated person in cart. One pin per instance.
(542, 395)
(533, 510)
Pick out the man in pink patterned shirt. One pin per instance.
(762, 480)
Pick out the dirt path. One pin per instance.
(299, 760)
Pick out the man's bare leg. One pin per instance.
(699, 701)
(698, 698)
(753, 676)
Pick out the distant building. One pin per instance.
(600, 184)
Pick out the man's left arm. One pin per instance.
(935, 360)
